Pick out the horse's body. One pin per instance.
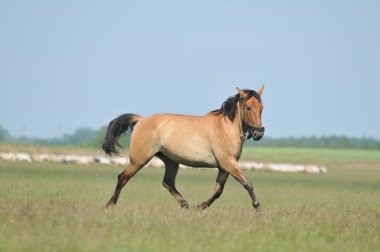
(213, 140)
(190, 140)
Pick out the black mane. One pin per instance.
(228, 108)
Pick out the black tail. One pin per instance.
(117, 127)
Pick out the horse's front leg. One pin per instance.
(220, 181)
(235, 171)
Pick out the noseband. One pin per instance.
(251, 129)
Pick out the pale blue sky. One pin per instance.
(71, 64)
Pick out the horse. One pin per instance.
(214, 140)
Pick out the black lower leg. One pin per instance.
(173, 191)
(120, 183)
(171, 169)
(220, 182)
(248, 186)
(216, 195)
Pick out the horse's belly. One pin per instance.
(191, 157)
(193, 163)
(186, 140)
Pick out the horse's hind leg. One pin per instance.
(220, 181)
(171, 169)
(123, 178)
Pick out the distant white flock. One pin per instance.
(155, 162)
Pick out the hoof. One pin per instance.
(257, 207)
(109, 204)
(184, 205)
(203, 205)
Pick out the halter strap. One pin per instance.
(242, 135)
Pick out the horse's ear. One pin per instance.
(260, 91)
(240, 92)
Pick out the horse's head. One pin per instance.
(251, 108)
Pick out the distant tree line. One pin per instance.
(85, 137)
(333, 142)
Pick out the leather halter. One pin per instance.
(250, 129)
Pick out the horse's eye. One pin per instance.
(248, 108)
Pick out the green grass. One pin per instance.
(59, 207)
(309, 155)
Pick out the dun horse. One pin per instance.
(213, 140)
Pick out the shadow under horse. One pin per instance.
(212, 140)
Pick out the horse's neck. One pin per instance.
(232, 130)
(229, 137)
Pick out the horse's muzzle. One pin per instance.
(257, 133)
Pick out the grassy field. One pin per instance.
(59, 207)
